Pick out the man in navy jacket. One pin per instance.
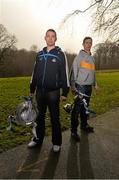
(50, 76)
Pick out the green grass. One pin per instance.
(109, 92)
(13, 89)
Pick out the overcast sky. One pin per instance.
(28, 20)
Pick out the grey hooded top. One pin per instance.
(83, 69)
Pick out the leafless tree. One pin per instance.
(105, 17)
(107, 55)
(7, 42)
(78, 11)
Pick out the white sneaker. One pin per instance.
(32, 144)
(56, 148)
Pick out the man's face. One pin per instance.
(87, 45)
(50, 38)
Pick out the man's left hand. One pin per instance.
(97, 88)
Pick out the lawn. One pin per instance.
(12, 91)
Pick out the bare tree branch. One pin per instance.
(106, 19)
(76, 12)
(7, 42)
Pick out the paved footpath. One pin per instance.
(95, 157)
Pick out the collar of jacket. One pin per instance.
(57, 48)
(86, 52)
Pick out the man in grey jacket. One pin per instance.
(82, 80)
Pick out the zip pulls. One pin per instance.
(45, 57)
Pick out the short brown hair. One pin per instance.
(87, 37)
(52, 30)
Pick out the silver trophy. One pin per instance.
(25, 114)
